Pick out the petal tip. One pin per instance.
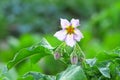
(75, 22)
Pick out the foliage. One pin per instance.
(94, 69)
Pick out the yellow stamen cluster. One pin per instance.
(70, 30)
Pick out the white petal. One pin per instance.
(60, 35)
(75, 22)
(70, 40)
(78, 35)
(64, 23)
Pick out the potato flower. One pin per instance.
(69, 33)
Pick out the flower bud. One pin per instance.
(74, 59)
(57, 55)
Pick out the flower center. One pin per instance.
(70, 30)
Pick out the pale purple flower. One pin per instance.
(69, 33)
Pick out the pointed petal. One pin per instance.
(75, 22)
(64, 23)
(78, 35)
(60, 35)
(70, 40)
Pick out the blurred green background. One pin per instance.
(24, 22)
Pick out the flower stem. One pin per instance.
(82, 55)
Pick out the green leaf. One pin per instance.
(73, 72)
(116, 52)
(115, 70)
(39, 76)
(7, 75)
(103, 67)
(108, 55)
(91, 62)
(43, 48)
